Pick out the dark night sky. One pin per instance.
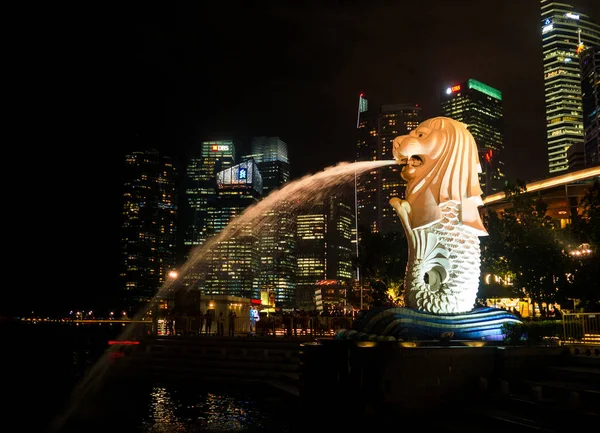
(167, 75)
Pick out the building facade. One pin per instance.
(324, 246)
(229, 266)
(590, 88)
(200, 186)
(271, 156)
(277, 240)
(479, 106)
(149, 228)
(376, 132)
(203, 163)
(565, 32)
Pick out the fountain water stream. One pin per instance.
(293, 197)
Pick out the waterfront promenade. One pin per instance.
(288, 376)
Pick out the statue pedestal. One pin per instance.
(407, 324)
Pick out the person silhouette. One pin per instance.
(254, 318)
(232, 317)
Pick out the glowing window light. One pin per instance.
(547, 28)
(572, 16)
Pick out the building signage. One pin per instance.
(455, 88)
(220, 147)
(243, 173)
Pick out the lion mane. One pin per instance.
(452, 176)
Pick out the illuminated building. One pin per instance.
(562, 194)
(200, 189)
(590, 87)
(376, 132)
(324, 246)
(148, 241)
(368, 183)
(331, 295)
(277, 238)
(232, 263)
(271, 156)
(565, 33)
(479, 106)
(200, 185)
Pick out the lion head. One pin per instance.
(442, 165)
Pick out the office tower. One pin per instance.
(231, 264)
(590, 88)
(277, 240)
(203, 164)
(271, 156)
(565, 32)
(393, 120)
(479, 106)
(367, 184)
(324, 245)
(376, 132)
(148, 242)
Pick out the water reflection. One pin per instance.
(176, 409)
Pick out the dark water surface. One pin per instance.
(42, 364)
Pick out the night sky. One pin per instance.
(167, 75)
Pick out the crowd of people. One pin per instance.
(282, 322)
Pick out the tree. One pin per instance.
(584, 269)
(382, 262)
(495, 249)
(528, 246)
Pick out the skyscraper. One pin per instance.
(590, 87)
(393, 120)
(324, 245)
(564, 32)
(203, 164)
(200, 186)
(277, 241)
(232, 263)
(148, 241)
(479, 106)
(367, 185)
(376, 133)
(271, 156)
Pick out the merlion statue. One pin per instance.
(440, 215)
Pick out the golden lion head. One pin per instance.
(442, 165)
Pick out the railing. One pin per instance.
(581, 328)
(320, 326)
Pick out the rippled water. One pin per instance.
(144, 407)
(174, 410)
(43, 364)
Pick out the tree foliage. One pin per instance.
(584, 270)
(382, 263)
(524, 242)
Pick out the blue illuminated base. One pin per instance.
(405, 323)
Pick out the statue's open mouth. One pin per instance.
(415, 161)
(412, 161)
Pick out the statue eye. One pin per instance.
(422, 133)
